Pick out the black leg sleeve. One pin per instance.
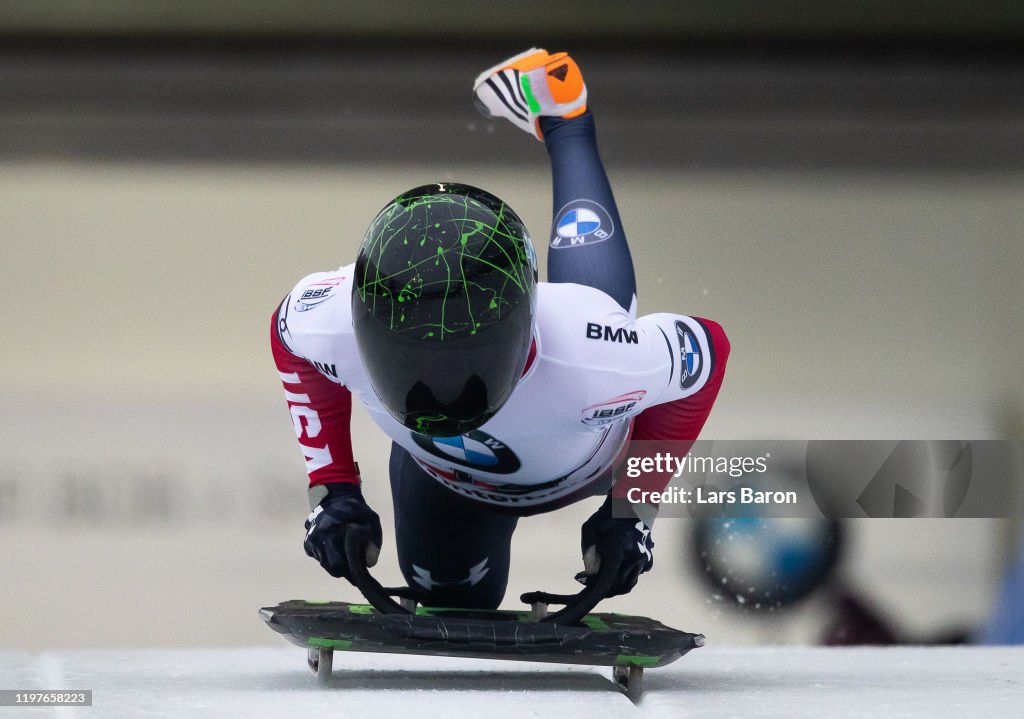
(588, 244)
(455, 550)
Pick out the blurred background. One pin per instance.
(840, 185)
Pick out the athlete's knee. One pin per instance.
(480, 585)
(465, 598)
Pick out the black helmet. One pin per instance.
(442, 306)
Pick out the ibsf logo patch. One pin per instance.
(317, 293)
(581, 222)
(612, 409)
(690, 356)
(477, 450)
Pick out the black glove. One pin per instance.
(632, 534)
(325, 528)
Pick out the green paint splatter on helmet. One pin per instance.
(461, 279)
(442, 306)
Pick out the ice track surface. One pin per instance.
(710, 682)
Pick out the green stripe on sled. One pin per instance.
(636, 660)
(329, 643)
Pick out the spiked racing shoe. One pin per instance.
(530, 85)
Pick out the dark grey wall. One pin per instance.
(328, 105)
(569, 19)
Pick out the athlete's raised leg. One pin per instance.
(588, 244)
(545, 95)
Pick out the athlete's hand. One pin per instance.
(343, 507)
(633, 535)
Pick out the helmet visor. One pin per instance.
(449, 388)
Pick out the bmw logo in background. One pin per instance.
(765, 564)
(476, 450)
(581, 222)
(690, 356)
